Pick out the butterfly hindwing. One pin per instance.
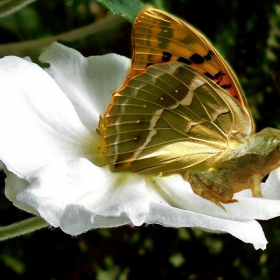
(168, 118)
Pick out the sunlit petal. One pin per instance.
(88, 82)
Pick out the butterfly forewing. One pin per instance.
(159, 38)
(168, 118)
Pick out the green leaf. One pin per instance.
(8, 7)
(129, 9)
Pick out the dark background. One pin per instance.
(241, 30)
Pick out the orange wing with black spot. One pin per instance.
(159, 37)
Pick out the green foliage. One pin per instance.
(127, 8)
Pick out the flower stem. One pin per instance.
(22, 227)
(108, 23)
(8, 7)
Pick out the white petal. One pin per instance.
(88, 82)
(271, 188)
(247, 208)
(247, 231)
(78, 196)
(15, 185)
(71, 194)
(188, 209)
(38, 122)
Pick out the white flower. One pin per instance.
(49, 147)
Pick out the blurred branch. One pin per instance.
(108, 23)
(8, 7)
(23, 227)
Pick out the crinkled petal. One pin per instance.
(38, 122)
(60, 192)
(235, 220)
(69, 195)
(15, 185)
(248, 231)
(88, 82)
(180, 195)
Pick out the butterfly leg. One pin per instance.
(210, 186)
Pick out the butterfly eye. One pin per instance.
(278, 147)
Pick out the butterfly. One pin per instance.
(182, 111)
